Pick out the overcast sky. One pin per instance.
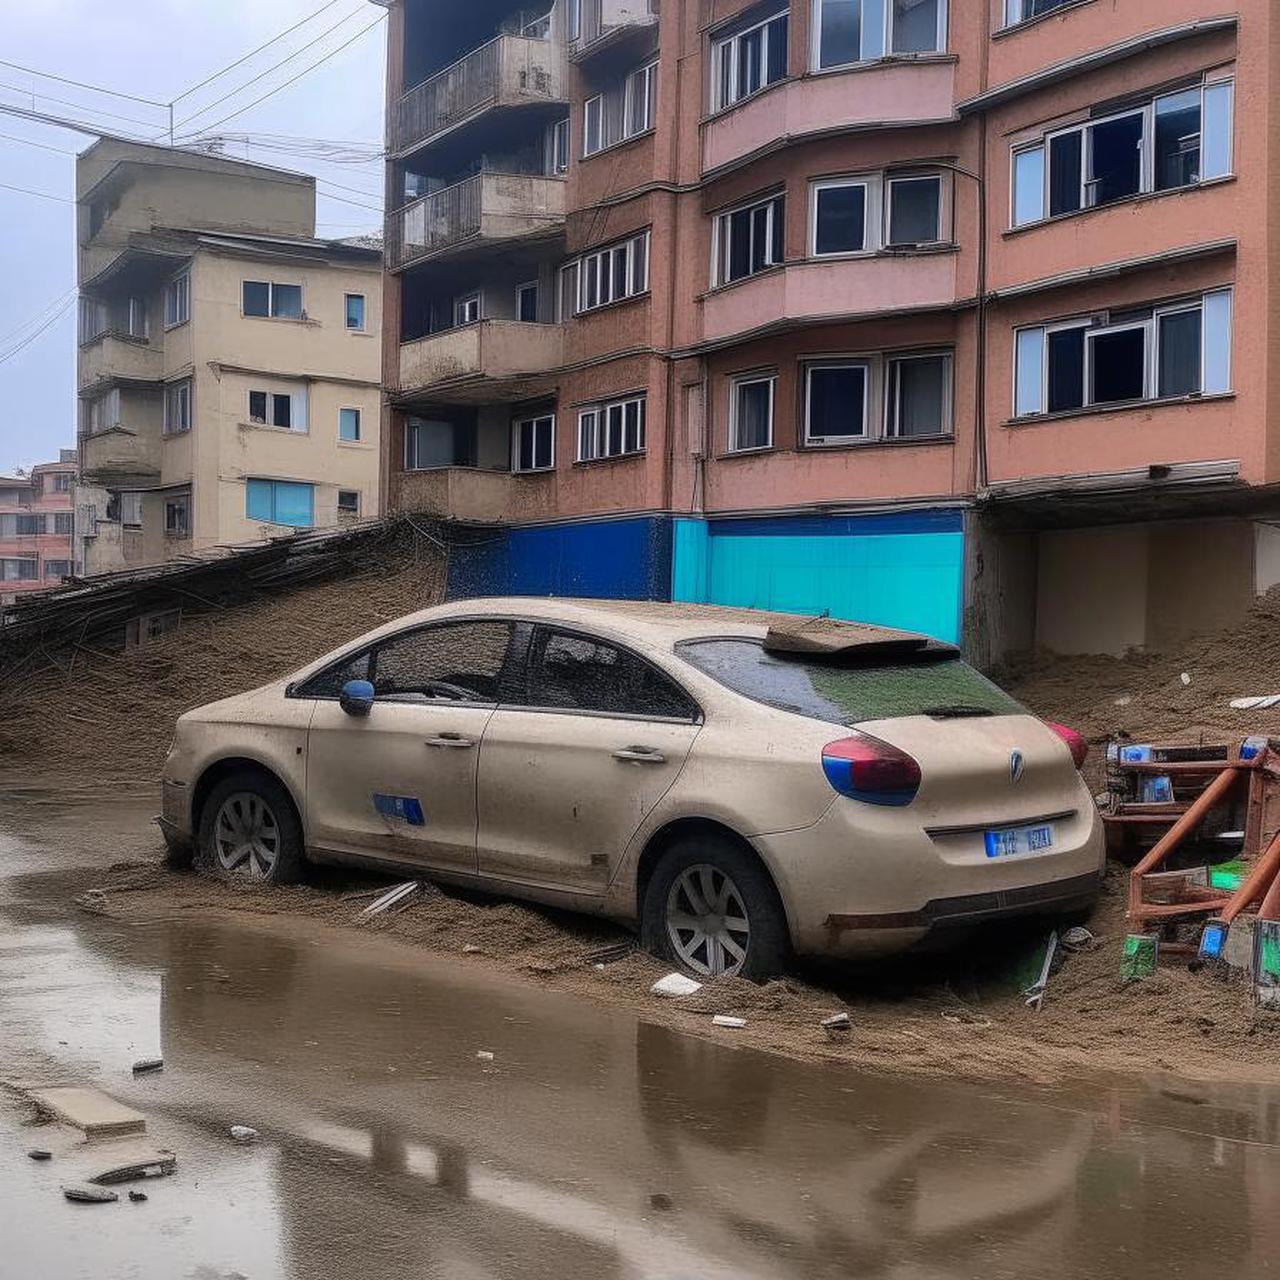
(153, 49)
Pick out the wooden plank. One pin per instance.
(89, 1110)
(1165, 910)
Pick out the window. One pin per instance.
(527, 303)
(93, 319)
(131, 509)
(611, 430)
(456, 662)
(438, 443)
(580, 673)
(1176, 140)
(177, 301)
(27, 525)
(466, 309)
(836, 397)
(57, 568)
(102, 413)
(1179, 349)
(746, 61)
(748, 240)
(280, 502)
(1024, 10)
(348, 502)
(279, 409)
(625, 109)
(533, 443)
(915, 210)
(136, 319)
(751, 412)
(851, 31)
(349, 425)
(277, 301)
(355, 312)
(558, 147)
(610, 274)
(573, 19)
(16, 570)
(177, 516)
(63, 523)
(918, 396)
(61, 481)
(840, 218)
(177, 407)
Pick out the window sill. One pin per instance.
(877, 442)
(273, 430)
(927, 58)
(299, 320)
(730, 454)
(616, 457)
(888, 251)
(175, 435)
(607, 306)
(524, 472)
(1128, 406)
(177, 324)
(348, 444)
(731, 107)
(622, 142)
(1140, 198)
(755, 275)
(1001, 32)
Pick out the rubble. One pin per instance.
(89, 1194)
(243, 1133)
(675, 985)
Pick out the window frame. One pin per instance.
(810, 441)
(173, 503)
(559, 147)
(181, 282)
(463, 302)
(892, 393)
(727, 45)
(736, 383)
(533, 420)
(358, 438)
(351, 512)
(363, 326)
(892, 180)
(275, 483)
(597, 264)
(521, 290)
(172, 389)
(647, 74)
(887, 53)
(272, 286)
(1020, 5)
(596, 100)
(135, 507)
(872, 204)
(721, 238)
(599, 412)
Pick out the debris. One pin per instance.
(1035, 992)
(137, 1196)
(1238, 952)
(723, 1020)
(837, 1026)
(356, 895)
(1266, 964)
(967, 1020)
(1140, 956)
(1077, 938)
(243, 1133)
(90, 1195)
(1264, 703)
(93, 900)
(147, 1065)
(399, 898)
(599, 968)
(660, 1200)
(40, 1155)
(1213, 940)
(88, 1109)
(161, 1167)
(675, 984)
(1185, 677)
(484, 1055)
(470, 949)
(606, 955)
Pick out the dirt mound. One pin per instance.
(105, 720)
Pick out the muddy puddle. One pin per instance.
(419, 1118)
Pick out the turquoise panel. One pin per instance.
(690, 560)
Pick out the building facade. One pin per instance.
(925, 312)
(36, 517)
(229, 384)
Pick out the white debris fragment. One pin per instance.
(470, 949)
(837, 1026)
(1185, 678)
(675, 984)
(484, 1055)
(242, 1133)
(1263, 703)
(724, 1020)
(1077, 938)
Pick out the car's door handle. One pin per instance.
(641, 755)
(455, 740)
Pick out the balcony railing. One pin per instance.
(120, 355)
(486, 207)
(509, 70)
(472, 494)
(474, 356)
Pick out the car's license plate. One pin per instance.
(1009, 842)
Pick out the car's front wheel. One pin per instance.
(248, 829)
(711, 909)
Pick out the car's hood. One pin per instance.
(250, 706)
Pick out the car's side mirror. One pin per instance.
(356, 698)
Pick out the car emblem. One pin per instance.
(1016, 763)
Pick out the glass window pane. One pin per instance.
(640, 264)
(777, 67)
(583, 674)
(750, 62)
(753, 410)
(349, 424)
(915, 207)
(544, 442)
(873, 22)
(614, 445)
(1179, 355)
(293, 504)
(1065, 153)
(1115, 160)
(1215, 142)
(1118, 366)
(1177, 140)
(257, 298)
(841, 220)
(258, 499)
(1028, 186)
(919, 396)
(915, 26)
(286, 301)
(725, 54)
(760, 238)
(467, 656)
(839, 32)
(836, 402)
(738, 252)
(1066, 369)
(1217, 341)
(355, 311)
(1029, 391)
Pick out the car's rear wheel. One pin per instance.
(711, 909)
(248, 830)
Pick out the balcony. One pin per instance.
(510, 359)
(879, 93)
(120, 455)
(508, 73)
(478, 496)
(830, 290)
(120, 357)
(485, 209)
(611, 24)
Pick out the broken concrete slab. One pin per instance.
(89, 1195)
(162, 1165)
(89, 1110)
(1237, 951)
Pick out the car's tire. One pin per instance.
(700, 866)
(249, 829)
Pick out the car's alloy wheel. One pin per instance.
(707, 922)
(246, 836)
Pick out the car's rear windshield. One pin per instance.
(846, 689)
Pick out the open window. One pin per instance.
(751, 405)
(748, 240)
(748, 58)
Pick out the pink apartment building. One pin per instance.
(953, 314)
(36, 519)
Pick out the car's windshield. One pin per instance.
(930, 683)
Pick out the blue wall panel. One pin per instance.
(904, 571)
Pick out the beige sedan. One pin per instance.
(738, 786)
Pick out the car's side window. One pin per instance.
(328, 683)
(581, 673)
(452, 662)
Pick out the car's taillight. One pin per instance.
(1076, 744)
(864, 768)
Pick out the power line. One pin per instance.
(44, 195)
(83, 106)
(294, 79)
(40, 315)
(263, 74)
(79, 84)
(253, 53)
(63, 122)
(43, 146)
(6, 356)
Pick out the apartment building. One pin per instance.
(229, 364)
(927, 312)
(36, 526)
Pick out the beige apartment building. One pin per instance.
(229, 360)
